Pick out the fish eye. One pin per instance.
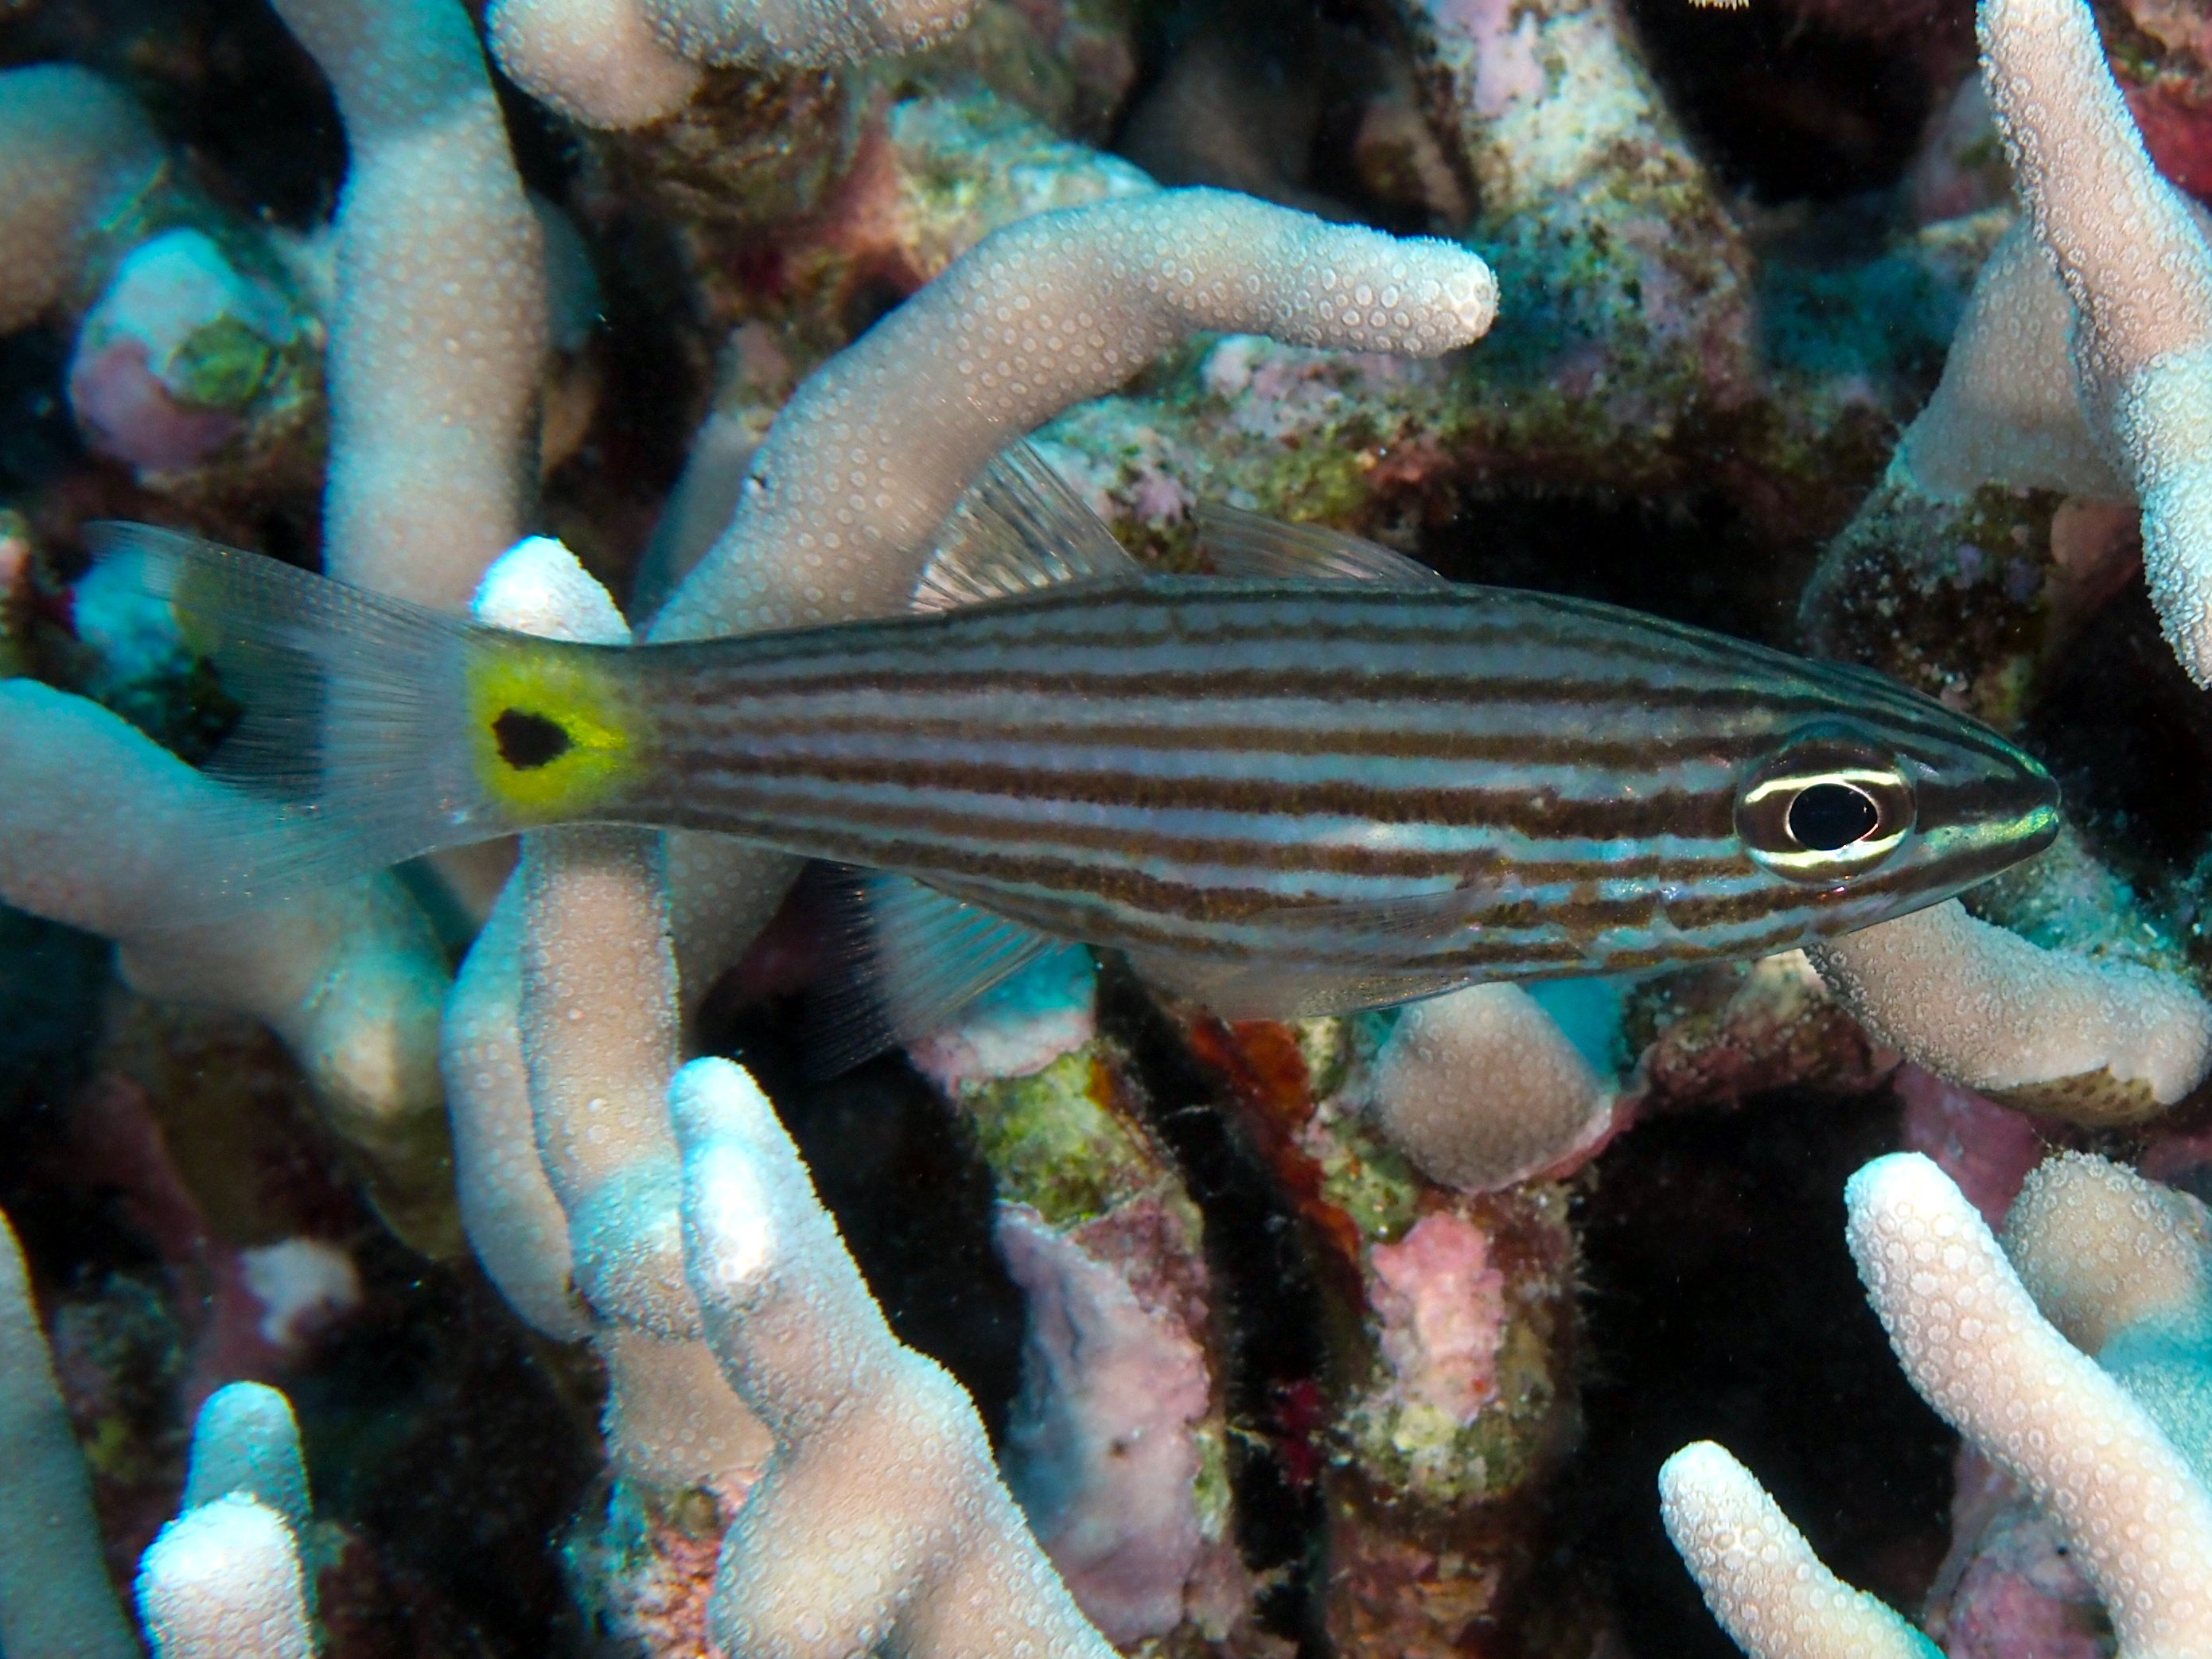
(1829, 804)
(1829, 817)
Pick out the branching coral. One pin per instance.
(434, 363)
(1605, 225)
(628, 62)
(1482, 1090)
(2081, 363)
(2112, 1446)
(1116, 1443)
(558, 1048)
(880, 1519)
(1761, 1578)
(2095, 1041)
(74, 150)
(98, 828)
(696, 1256)
(223, 1581)
(1443, 1393)
(55, 1599)
(438, 336)
(2138, 268)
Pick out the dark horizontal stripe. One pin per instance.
(959, 829)
(1589, 698)
(1039, 865)
(1761, 687)
(1377, 615)
(726, 737)
(1628, 756)
(1579, 923)
(1405, 620)
(1667, 812)
(1101, 628)
(751, 806)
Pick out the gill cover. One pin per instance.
(375, 729)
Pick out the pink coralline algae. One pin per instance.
(1101, 1439)
(1441, 1304)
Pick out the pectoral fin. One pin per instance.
(1337, 958)
(905, 959)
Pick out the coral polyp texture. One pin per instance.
(1085, 1319)
(223, 1580)
(879, 1448)
(2073, 1355)
(628, 62)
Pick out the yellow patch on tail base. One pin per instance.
(563, 687)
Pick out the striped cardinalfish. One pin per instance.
(1321, 779)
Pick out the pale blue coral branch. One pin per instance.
(55, 1599)
(221, 1580)
(2125, 1265)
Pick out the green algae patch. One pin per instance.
(1053, 1143)
(1421, 1451)
(1362, 1176)
(223, 364)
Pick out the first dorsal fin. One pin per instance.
(1241, 543)
(1018, 529)
(905, 958)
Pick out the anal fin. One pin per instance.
(906, 958)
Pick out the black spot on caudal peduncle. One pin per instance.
(528, 741)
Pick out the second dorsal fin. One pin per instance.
(1241, 543)
(1018, 529)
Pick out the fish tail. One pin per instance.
(372, 730)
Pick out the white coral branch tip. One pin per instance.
(1760, 1577)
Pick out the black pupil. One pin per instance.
(527, 741)
(1829, 815)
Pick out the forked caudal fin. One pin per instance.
(371, 730)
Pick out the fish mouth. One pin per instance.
(2018, 812)
(1979, 826)
(2036, 813)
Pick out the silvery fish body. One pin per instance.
(1327, 781)
(1294, 797)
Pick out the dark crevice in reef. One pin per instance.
(1267, 1305)
(1267, 96)
(1722, 1304)
(38, 442)
(461, 1456)
(891, 1162)
(218, 78)
(1787, 107)
(51, 982)
(2128, 738)
(1694, 561)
